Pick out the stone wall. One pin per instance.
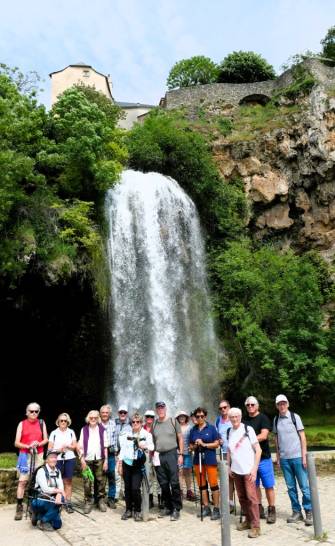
(234, 93)
(8, 485)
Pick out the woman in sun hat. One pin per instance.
(185, 471)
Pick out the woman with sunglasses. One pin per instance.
(204, 440)
(93, 455)
(132, 457)
(63, 440)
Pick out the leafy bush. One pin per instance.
(225, 126)
(194, 71)
(245, 67)
(272, 301)
(328, 47)
(303, 82)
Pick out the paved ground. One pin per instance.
(108, 530)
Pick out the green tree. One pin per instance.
(272, 302)
(328, 46)
(245, 67)
(54, 167)
(194, 71)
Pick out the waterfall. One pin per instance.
(164, 345)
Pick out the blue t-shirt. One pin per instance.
(222, 427)
(208, 435)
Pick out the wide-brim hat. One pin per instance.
(181, 412)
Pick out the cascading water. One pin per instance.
(164, 346)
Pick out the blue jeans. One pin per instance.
(47, 512)
(111, 476)
(294, 472)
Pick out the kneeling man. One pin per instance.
(49, 492)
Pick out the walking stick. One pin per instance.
(195, 494)
(200, 473)
(33, 452)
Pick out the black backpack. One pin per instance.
(32, 491)
(294, 421)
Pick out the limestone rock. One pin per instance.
(276, 218)
(266, 188)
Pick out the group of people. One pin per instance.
(162, 452)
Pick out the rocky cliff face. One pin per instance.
(287, 164)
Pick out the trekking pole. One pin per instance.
(313, 484)
(224, 504)
(195, 493)
(200, 473)
(33, 452)
(145, 495)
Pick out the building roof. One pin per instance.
(134, 105)
(81, 65)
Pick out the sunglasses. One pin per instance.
(250, 404)
(34, 411)
(123, 412)
(199, 416)
(223, 407)
(93, 417)
(65, 420)
(136, 421)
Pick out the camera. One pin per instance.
(135, 440)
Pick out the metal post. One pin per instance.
(224, 504)
(314, 496)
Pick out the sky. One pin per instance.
(138, 41)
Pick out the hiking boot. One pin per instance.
(254, 532)
(164, 512)
(69, 508)
(33, 518)
(309, 518)
(216, 514)
(243, 526)
(111, 503)
(175, 515)
(190, 495)
(271, 517)
(151, 501)
(206, 511)
(126, 515)
(296, 516)
(87, 507)
(138, 516)
(45, 526)
(102, 505)
(261, 511)
(19, 512)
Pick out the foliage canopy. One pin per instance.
(194, 71)
(328, 46)
(245, 67)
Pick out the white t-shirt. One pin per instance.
(241, 451)
(93, 444)
(61, 438)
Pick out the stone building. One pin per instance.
(81, 73)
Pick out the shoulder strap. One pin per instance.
(228, 432)
(276, 424)
(294, 421)
(217, 422)
(41, 427)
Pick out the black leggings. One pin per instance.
(132, 476)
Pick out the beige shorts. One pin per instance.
(38, 462)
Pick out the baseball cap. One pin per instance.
(160, 404)
(149, 413)
(52, 452)
(123, 408)
(281, 398)
(251, 400)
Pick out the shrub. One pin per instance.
(194, 71)
(328, 47)
(245, 67)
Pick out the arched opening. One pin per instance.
(256, 98)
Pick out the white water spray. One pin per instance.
(164, 346)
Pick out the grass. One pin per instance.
(8, 460)
(321, 435)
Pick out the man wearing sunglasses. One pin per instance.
(265, 473)
(122, 427)
(222, 424)
(204, 440)
(31, 436)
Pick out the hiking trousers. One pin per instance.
(99, 485)
(168, 479)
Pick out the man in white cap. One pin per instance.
(122, 426)
(291, 450)
(265, 473)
